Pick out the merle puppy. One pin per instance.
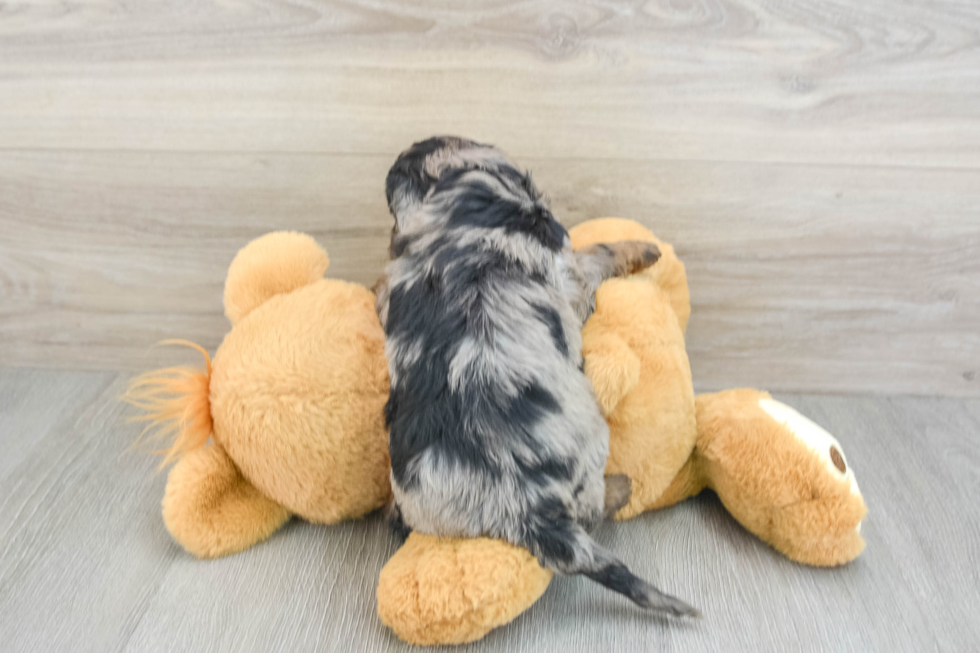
(494, 427)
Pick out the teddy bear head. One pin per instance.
(288, 419)
(299, 384)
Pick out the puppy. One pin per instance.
(494, 427)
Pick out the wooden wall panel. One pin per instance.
(816, 163)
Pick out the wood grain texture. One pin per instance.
(87, 565)
(796, 282)
(816, 162)
(887, 82)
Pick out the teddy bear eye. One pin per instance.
(837, 459)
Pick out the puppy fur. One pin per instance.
(494, 427)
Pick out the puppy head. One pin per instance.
(419, 168)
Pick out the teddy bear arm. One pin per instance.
(211, 510)
(612, 366)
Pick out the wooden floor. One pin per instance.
(816, 162)
(86, 564)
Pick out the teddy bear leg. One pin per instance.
(783, 477)
(450, 591)
(211, 510)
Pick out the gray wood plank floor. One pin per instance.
(86, 564)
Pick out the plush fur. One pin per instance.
(669, 274)
(494, 428)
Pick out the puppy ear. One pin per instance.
(612, 366)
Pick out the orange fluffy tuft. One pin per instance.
(175, 400)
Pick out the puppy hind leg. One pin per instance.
(396, 522)
(619, 488)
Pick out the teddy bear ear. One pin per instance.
(273, 264)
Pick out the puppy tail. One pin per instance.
(565, 547)
(175, 402)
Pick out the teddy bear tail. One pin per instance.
(175, 402)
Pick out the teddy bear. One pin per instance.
(292, 405)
